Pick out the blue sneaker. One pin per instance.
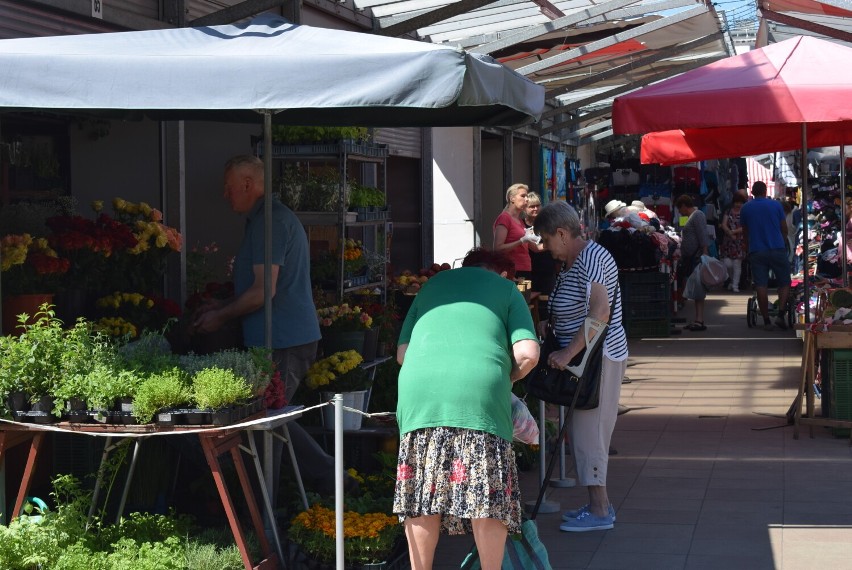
(569, 515)
(587, 522)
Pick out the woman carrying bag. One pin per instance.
(586, 287)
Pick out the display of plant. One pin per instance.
(90, 355)
(67, 539)
(127, 315)
(32, 362)
(105, 384)
(309, 189)
(340, 372)
(30, 265)
(344, 317)
(253, 365)
(214, 388)
(286, 134)
(365, 196)
(163, 390)
(370, 538)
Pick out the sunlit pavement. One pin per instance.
(706, 473)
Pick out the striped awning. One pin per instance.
(757, 171)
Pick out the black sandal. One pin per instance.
(696, 326)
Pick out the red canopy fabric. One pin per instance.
(798, 80)
(745, 105)
(690, 145)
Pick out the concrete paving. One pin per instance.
(706, 473)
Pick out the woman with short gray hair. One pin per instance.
(587, 286)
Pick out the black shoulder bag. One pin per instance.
(579, 384)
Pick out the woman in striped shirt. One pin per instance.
(587, 286)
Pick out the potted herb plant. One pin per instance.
(218, 389)
(160, 393)
(31, 364)
(254, 365)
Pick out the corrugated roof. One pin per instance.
(584, 52)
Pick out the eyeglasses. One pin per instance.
(534, 206)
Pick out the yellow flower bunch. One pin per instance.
(355, 525)
(13, 250)
(368, 537)
(116, 326)
(351, 249)
(117, 299)
(333, 369)
(147, 226)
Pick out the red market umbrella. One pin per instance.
(787, 95)
(800, 80)
(744, 105)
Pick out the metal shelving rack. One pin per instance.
(344, 152)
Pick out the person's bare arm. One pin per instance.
(250, 301)
(400, 353)
(525, 355)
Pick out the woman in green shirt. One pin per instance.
(466, 338)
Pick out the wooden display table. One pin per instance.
(838, 336)
(215, 442)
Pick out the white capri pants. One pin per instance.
(591, 430)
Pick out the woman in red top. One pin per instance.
(510, 233)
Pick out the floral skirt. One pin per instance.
(460, 474)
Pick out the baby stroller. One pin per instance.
(753, 311)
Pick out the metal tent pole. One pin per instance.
(805, 252)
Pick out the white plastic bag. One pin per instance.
(693, 288)
(713, 272)
(525, 428)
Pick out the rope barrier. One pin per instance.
(112, 430)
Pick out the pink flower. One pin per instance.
(156, 215)
(458, 472)
(404, 472)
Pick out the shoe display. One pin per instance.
(587, 522)
(568, 515)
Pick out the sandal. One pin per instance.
(696, 326)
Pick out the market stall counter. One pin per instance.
(817, 337)
(215, 441)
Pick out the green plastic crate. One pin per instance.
(841, 388)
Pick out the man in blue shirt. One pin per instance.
(766, 242)
(295, 327)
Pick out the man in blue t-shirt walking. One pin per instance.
(766, 241)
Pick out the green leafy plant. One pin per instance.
(32, 362)
(286, 134)
(105, 383)
(167, 389)
(216, 388)
(253, 365)
(309, 189)
(363, 196)
(65, 539)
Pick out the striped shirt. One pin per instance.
(569, 302)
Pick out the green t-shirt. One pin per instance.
(460, 331)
